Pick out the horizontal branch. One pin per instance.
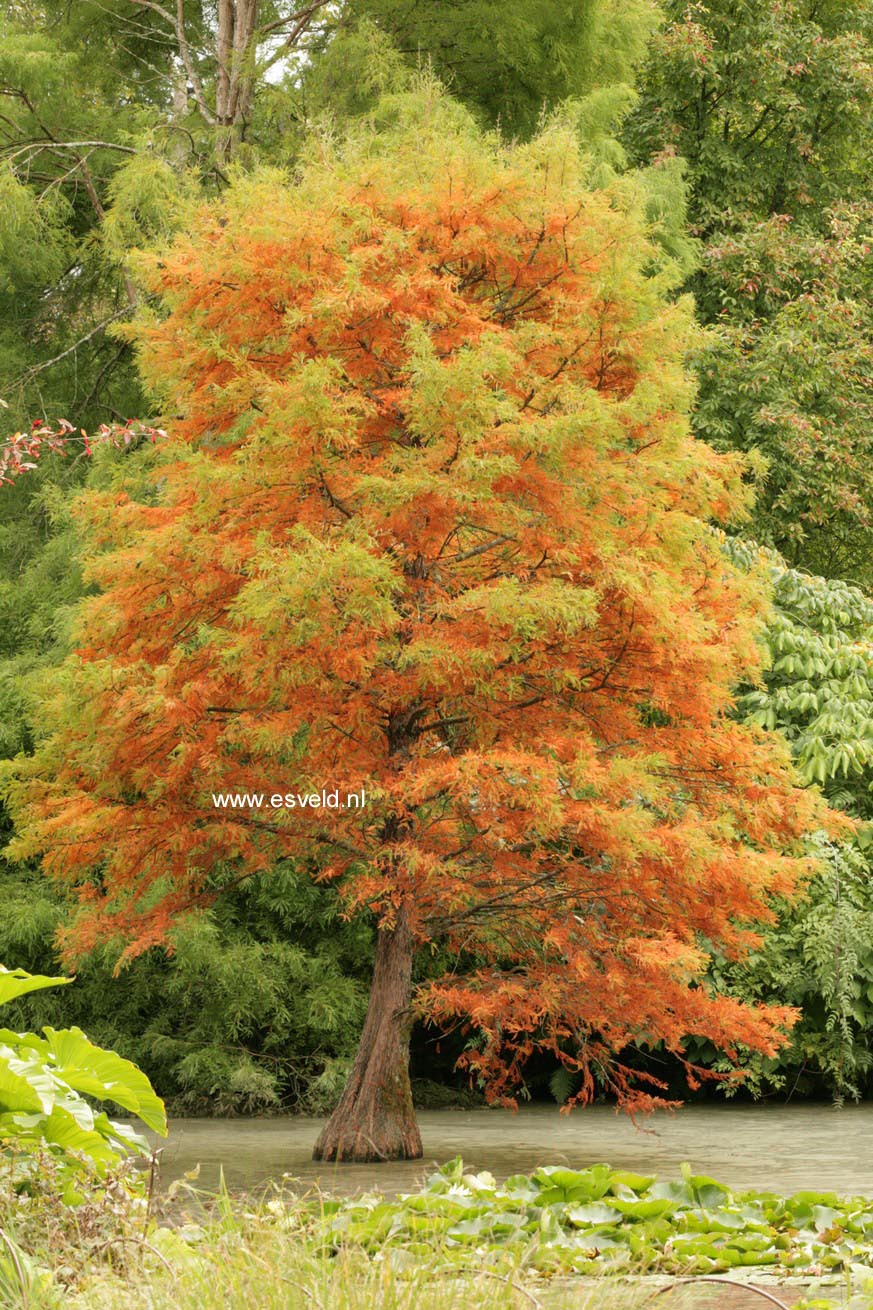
(48, 143)
(477, 550)
(56, 359)
(442, 723)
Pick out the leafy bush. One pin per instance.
(818, 956)
(262, 994)
(44, 1082)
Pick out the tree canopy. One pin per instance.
(430, 521)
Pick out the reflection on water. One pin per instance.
(782, 1149)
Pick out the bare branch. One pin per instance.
(302, 16)
(477, 550)
(301, 20)
(57, 146)
(56, 359)
(51, 144)
(442, 723)
(185, 54)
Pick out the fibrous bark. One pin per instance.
(375, 1119)
(237, 26)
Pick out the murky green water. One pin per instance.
(779, 1148)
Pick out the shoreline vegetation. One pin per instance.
(554, 1239)
(83, 1224)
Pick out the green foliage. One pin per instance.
(147, 198)
(22, 1281)
(44, 1081)
(510, 60)
(32, 236)
(56, 283)
(786, 374)
(769, 106)
(598, 1220)
(357, 65)
(818, 954)
(258, 1007)
(818, 690)
(768, 103)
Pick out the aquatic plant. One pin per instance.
(602, 1220)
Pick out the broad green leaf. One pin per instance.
(645, 1209)
(66, 1130)
(636, 1182)
(24, 1084)
(103, 1074)
(583, 1216)
(15, 983)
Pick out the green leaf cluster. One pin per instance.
(44, 1083)
(257, 1008)
(785, 377)
(818, 689)
(602, 1220)
(768, 103)
(510, 60)
(769, 107)
(818, 954)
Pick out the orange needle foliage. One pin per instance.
(432, 523)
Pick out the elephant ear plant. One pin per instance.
(45, 1083)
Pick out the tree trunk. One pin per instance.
(235, 55)
(375, 1119)
(224, 56)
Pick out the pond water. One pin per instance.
(780, 1148)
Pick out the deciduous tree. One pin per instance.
(818, 692)
(769, 105)
(786, 373)
(431, 524)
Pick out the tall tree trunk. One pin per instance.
(235, 54)
(224, 56)
(375, 1119)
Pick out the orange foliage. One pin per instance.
(430, 521)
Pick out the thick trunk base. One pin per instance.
(369, 1139)
(375, 1119)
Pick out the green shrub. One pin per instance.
(44, 1083)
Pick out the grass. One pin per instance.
(264, 1255)
(280, 1252)
(265, 1270)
